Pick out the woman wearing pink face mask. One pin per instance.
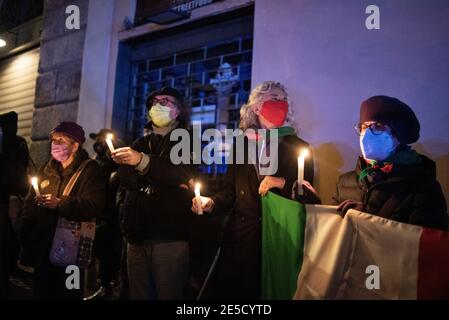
(41, 213)
(239, 268)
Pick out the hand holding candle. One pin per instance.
(108, 139)
(198, 198)
(35, 186)
(304, 153)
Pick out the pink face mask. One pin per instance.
(60, 152)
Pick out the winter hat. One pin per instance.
(102, 133)
(70, 129)
(8, 122)
(394, 113)
(165, 91)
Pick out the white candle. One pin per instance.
(304, 153)
(198, 198)
(35, 186)
(109, 138)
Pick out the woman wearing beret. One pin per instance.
(391, 179)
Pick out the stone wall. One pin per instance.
(58, 83)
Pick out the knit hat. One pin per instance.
(394, 113)
(70, 129)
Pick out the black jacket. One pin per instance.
(409, 193)
(239, 269)
(13, 168)
(84, 203)
(156, 207)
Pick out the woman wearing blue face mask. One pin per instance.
(391, 179)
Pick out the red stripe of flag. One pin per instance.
(433, 265)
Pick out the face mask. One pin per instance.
(377, 147)
(60, 152)
(275, 112)
(160, 115)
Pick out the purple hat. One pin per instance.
(70, 129)
(393, 112)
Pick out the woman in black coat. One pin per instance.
(391, 179)
(41, 213)
(238, 274)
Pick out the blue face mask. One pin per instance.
(377, 147)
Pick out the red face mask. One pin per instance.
(275, 112)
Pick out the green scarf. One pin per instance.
(282, 132)
(405, 155)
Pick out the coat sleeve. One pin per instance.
(158, 169)
(224, 200)
(29, 215)
(430, 208)
(164, 172)
(89, 200)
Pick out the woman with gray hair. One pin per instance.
(238, 273)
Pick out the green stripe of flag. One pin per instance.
(283, 225)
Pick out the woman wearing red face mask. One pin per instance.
(41, 212)
(239, 268)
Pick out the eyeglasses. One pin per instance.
(375, 127)
(162, 101)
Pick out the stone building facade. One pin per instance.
(58, 83)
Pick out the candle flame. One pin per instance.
(34, 181)
(110, 136)
(305, 153)
(197, 186)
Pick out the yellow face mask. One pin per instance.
(160, 115)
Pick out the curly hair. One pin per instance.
(249, 119)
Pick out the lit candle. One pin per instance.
(35, 186)
(304, 153)
(109, 138)
(198, 198)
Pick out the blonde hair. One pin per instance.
(249, 119)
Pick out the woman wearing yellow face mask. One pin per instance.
(156, 208)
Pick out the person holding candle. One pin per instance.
(108, 238)
(238, 274)
(156, 209)
(40, 213)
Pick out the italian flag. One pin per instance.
(311, 252)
